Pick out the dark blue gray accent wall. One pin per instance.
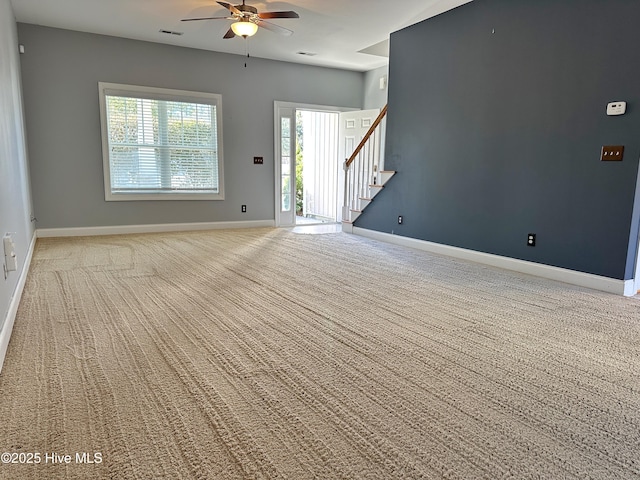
(497, 115)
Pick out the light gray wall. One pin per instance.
(61, 70)
(497, 115)
(374, 97)
(15, 198)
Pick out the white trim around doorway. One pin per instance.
(278, 106)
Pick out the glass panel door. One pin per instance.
(285, 155)
(285, 164)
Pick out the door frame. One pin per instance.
(636, 277)
(635, 283)
(632, 286)
(278, 108)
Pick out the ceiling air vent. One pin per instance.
(169, 32)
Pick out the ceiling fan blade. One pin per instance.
(206, 18)
(230, 7)
(275, 28)
(230, 34)
(289, 14)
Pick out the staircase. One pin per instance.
(363, 179)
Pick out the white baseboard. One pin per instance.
(7, 326)
(347, 227)
(596, 282)
(631, 288)
(152, 228)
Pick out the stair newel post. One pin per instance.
(347, 187)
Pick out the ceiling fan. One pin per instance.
(248, 19)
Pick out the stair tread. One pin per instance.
(356, 211)
(347, 221)
(387, 171)
(366, 199)
(377, 185)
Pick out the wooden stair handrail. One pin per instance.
(372, 128)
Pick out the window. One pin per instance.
(161, 144)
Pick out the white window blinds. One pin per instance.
(161, 146)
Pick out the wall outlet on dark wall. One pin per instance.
(531, 239)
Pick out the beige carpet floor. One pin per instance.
(266, 354)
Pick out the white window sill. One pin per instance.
(133, 197)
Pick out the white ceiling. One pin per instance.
(334, 30)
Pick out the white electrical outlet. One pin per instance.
(616, 108)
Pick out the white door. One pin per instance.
(353, 128)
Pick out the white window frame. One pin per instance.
(157, 94)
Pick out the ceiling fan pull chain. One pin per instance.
(246, 49)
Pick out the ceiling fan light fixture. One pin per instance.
(244, 28)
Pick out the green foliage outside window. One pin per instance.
(299, 166)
